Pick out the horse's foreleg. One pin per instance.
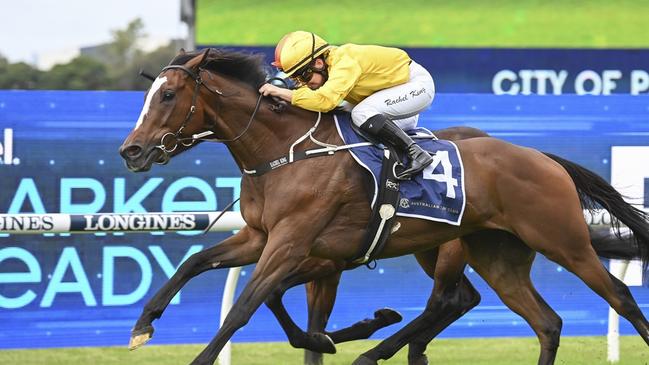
(281, 257)
(243, 248)
(365, 328)
(452, 296)
(452, 305)
(320, 296)
(316, 340)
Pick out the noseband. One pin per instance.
(188, 141)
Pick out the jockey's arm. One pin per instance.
(343, 77)
(272, 90)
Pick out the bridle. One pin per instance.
(188, 141)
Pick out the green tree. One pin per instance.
(151, 62)
(123, 49)
(122, 52)
(18, 76)
(124, 59)
(3, 63)
(82, 73)
(113, 66)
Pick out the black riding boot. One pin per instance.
(387, 131)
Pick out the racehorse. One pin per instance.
(321, 293)
(452, 294)
(295, 214)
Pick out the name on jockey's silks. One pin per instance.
(397, 100)
(418, 92)
(404, 97)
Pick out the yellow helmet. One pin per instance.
(295, 50)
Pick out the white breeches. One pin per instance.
(401, 103)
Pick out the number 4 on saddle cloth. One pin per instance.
(437, 193)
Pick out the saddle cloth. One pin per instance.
(436, 194)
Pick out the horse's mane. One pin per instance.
(242, 66)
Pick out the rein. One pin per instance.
(291, 157)
(327, 150)
(294, 156)
(177, 138)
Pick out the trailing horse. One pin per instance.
(321, 293)
(297, 215)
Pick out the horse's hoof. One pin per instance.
(419, 360)
(388, 316)
(364, 360)
(321, 343)
(140, 337)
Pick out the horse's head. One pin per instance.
(171, 114)
(211, 94)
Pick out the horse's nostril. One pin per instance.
(131, 151)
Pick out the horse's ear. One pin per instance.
(207, 51)
(198, 60)
(182, 52)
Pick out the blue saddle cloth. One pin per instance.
(436, 194)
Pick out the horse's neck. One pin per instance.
(271, 134)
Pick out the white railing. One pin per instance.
(117, 222)
(195, 221)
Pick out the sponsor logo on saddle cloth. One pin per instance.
(437, 194)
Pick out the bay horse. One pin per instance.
(446, 268)
(295, 214)
(452, 294)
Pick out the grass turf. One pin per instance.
(492, 351)
(429, 23)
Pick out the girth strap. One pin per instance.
(383, 213)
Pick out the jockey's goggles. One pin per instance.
(304, 74)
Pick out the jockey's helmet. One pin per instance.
(297, 49)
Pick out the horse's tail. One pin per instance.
(595, 192)
(607, 245)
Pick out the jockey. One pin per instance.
(386, 88)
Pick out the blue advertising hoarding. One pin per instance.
(60, 155)
(91, 288)
(504, 71)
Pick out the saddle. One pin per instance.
(437, 194)
(388, 199)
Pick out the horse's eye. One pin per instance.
(168, 95)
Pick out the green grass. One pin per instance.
(430, 23)
(495, 351)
